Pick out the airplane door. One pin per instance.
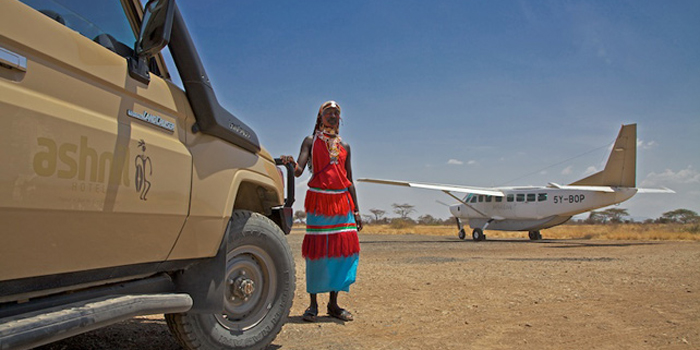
(94, 172)
(525, 205)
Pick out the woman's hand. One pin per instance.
(358, 221)
(288, 159)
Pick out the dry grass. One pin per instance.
(673, 232)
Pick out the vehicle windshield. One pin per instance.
(88, 17)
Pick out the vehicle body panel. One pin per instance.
(73, 155)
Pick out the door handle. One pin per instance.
(11, 60)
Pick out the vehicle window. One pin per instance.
(104, 22)
(473, 199)
(541, 197)
(509, 198)
(520, 197)
(481, 198)
(499, 199)
(531, 197)
(172, 69)
(488, 199)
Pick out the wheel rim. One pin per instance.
(251, 282)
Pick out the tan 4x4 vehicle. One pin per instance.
(123, 195)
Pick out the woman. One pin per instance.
(331, 246)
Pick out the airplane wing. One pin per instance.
(438, 187)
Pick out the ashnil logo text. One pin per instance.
(80, 161)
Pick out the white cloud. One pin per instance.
(646, 145)
(471, 162)
(568, 170)
(590, 171)
(684, 176)
(454, 162)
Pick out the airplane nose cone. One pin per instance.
(455, 210)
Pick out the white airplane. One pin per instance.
(535, 208)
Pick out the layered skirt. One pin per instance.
(331, 246)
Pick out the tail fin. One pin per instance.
(621, 168)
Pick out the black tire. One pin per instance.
(260, 280)
(462, 234)
(478, 235)
(534, 235)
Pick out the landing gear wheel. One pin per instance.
(535, 235)
(478, 235)
(462, 234)
(260, 286)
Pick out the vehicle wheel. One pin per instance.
(260, 284)
(462, 234)
(534, 235)
(478, 235)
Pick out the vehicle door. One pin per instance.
(94, 172)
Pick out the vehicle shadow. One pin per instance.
(145, 332)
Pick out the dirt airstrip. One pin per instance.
(437, 292)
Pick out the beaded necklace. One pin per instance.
(332, 140)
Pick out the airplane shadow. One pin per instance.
(406, 242)
(578, 244)
(556, 243)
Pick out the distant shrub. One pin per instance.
(692, 228)
(401, 223)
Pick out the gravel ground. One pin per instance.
(435, 292)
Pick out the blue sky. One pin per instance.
(481, 93)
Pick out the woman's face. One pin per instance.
(331, 117)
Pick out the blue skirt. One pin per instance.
(332, 253)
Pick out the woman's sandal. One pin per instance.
(310, 314)
(341, 314)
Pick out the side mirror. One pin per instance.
(155, 28)
(154, 36)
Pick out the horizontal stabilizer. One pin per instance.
(606, 189)
(438, 187)
(655, 190)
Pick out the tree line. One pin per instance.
(607, 216)
(617, 216)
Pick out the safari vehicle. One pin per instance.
(123, 195)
